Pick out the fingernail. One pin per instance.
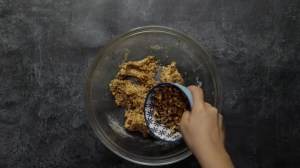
(199, 84)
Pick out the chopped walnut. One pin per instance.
(170, 104)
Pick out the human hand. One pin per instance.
(203, 132)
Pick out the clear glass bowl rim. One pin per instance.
(132, 32)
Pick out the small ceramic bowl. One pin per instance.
(158, 129)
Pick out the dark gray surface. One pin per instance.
(47, 46)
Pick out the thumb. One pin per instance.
(185, 118)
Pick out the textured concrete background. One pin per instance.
(46, 47)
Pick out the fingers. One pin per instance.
(198, 97)
(221, 127)
(207, 104)
(220, 121)
(185, 119)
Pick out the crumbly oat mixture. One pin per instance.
(142, 71)
(133, 82)
(170, 104)
(128, 94)
(170, 74)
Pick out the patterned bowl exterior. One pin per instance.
(159, 130)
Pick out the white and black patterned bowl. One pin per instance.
(158, 129)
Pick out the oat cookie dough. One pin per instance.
(170, 74)
(133, 82)
(142, 71)
(128, 94)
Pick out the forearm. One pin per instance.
(203, 133)
(214, 158)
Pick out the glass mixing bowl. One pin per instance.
(107, 119)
